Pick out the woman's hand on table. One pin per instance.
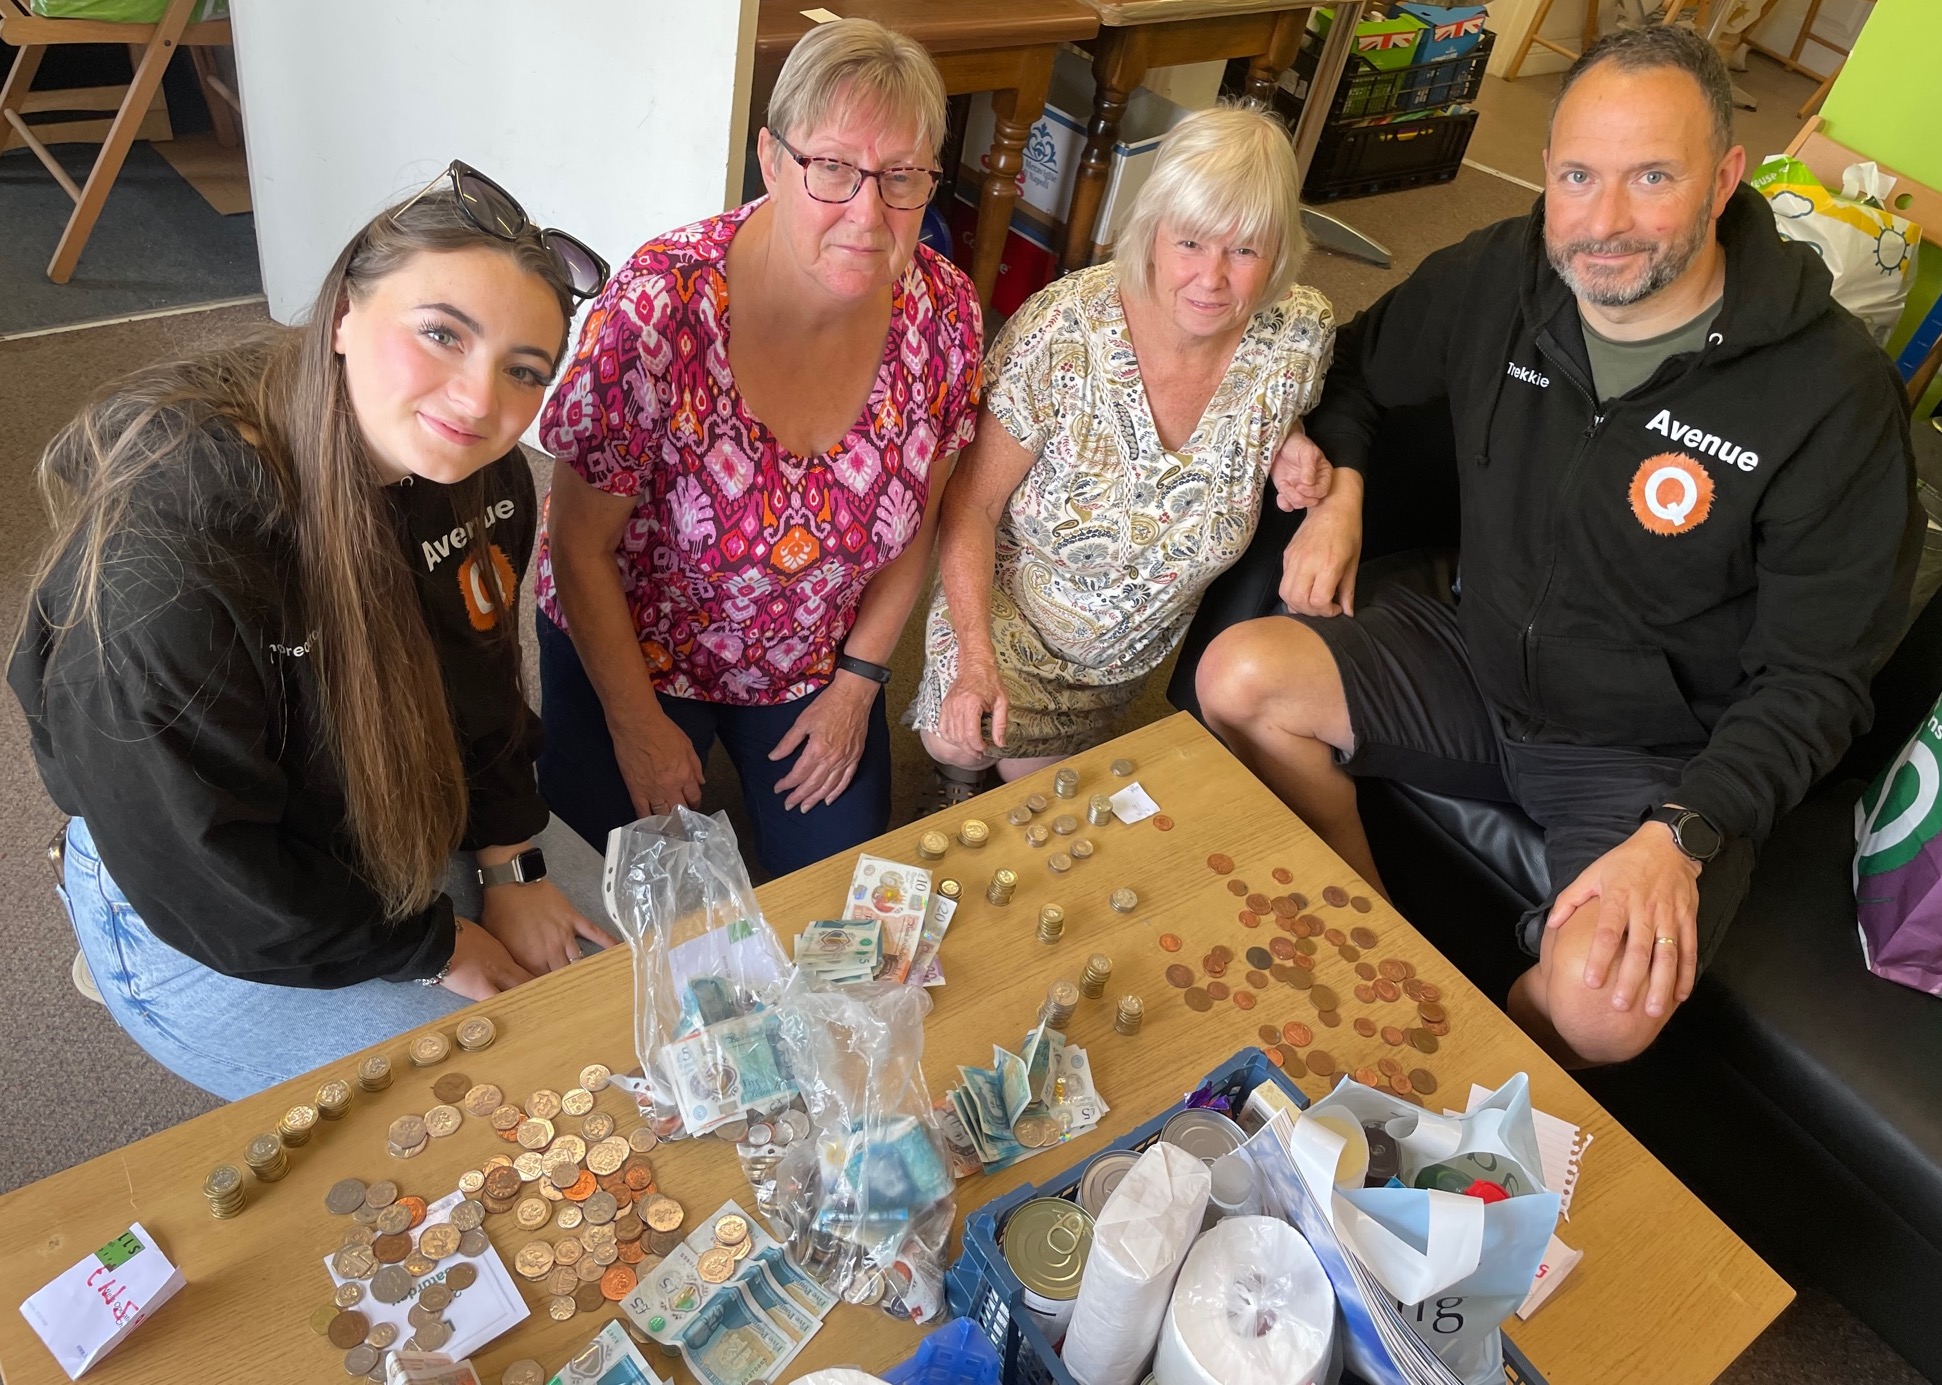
(539, 929)
(659, 764)
(975, 691)
(830, 732)
(1318, 566)
(480, 967)
(1301, 474)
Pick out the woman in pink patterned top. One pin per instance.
(745, 506)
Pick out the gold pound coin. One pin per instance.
(476, 1033)
(534, 1259)
(715, 1265)
(430, 1049)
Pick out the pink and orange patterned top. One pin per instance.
(743, 564)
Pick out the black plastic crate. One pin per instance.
(1367, 90)
(1361, 160)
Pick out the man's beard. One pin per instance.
(1604, 288)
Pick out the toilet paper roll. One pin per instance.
(838, 1375)
(1252, 1307)
(1139, 1241)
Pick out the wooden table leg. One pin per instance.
(1016, 111)
(20, 78)
(1264, 71)
(1118, 66)
(1329, 66)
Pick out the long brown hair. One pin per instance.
(385, 714)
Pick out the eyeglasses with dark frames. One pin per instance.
(496, 212)
(905, 188)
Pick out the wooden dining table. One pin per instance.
(1665, 1294)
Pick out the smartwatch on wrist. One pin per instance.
(1691, 832)
(863, 668)
(523, 869)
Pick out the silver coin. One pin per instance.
(761, 1133)
(344, 1197)
(473, 1244)
(433, 1335)
(865, 1288)
(391, 1284)
(360, 1359)
(797, 1123)
(733, 1132)
(468, 1215)
(436, 1298)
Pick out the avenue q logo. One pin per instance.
(1671, 493)
(1699, 440)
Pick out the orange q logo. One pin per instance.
(486, 590)
(1671, 493)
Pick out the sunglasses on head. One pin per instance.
(496, 212)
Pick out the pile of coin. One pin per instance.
(1019, 816)
(761, 1148)
(973, 832)
(947, 888)
(1099, 970)
(732, 1246)
(429, 1050)
(1065, 824)
(1058, 863)
(1003, 883)
(224, 1190)
(1099, 810)
(297, 1125)
(266, 1158)
(1036, 835)
(334, 1099)
(407, 1137)
(1066, 783)
(932, 846)
(1131, 1014)
(1124, 900)
(477, 1033)
(374, 1073)
(1051, 923)
(1061, 999)
(1036, 802)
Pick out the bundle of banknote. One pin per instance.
(726, 1068)
(897, 897)
(609, 1358)
(427, 1368)
(1023, 1104)
(838, 952)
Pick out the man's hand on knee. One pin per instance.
(1645, 893)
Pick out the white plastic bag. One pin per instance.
(1867, 248)
(707, 973)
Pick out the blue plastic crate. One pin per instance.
(982, 1287)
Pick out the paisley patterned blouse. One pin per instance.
(1106, 546)
(743, 563)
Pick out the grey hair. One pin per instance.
(851, 63)
(1229, 170)
(1661, 45)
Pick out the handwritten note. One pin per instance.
(92, 1308)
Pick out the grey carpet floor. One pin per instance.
(72, 1086)
(158, 244)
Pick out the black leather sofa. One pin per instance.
(1798, 1095)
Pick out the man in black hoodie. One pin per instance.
(1688, 538)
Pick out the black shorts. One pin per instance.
(1418, 717)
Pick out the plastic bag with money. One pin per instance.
(865, 1203)
(707, 973)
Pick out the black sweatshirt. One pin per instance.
(190, 738)
(1715, 564)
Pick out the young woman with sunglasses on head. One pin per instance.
(271, 662)
(742, 516)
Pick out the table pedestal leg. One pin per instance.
(1016, 111)
(1118, 66)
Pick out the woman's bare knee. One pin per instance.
(948, 753)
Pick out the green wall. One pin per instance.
(1885, 105)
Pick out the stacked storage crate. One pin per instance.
(1400, 116)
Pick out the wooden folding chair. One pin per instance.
(155, 43)
(1922, 204)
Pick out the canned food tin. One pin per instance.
(1047, 1241)
(1206, 1135)
(1102, 1175)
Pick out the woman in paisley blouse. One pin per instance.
(1134, 415)
(742, 515)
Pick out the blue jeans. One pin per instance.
(234, 1038)
(582, 782)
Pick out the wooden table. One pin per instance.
(1665, 1294)
(1004, 47)
(1136, 38)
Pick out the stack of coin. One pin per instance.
(1058, 863)
(1131, 1014)
(266, 1158)
(297, 1124)
(1019, 816)
(932, 846)
(1061, 999)
(1122, 769)
(1065, 824)
(1124, 901)
(1099, 810)
(500, 1192)
(1066, 783)
(224, 1190)
(334, 1099)
(1003, 882)
(428, 1050)
(1051, 923)
(408, 1137)
(374, 1073)
(947, 888)
(1036, 835)
(474, 1034)
(973, 832)
(1081, 850)
(1036, 802)
(1099, 969)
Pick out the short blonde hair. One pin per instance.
(851, 63)
(1226, 171)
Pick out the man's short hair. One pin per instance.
(1662, 45)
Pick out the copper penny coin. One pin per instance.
(1259, 902)
(1257, 978)
(1274, 1056)
(1368, 1077)
(1335, 896)
(1437, 1029)
(1365, 1026)
(1430, 1010)
(1169, 943)
(1220, 864)
(1284, 948)
(1361, 903)
(1285, 973)
(1270, 1036)
(1387, 989)
(1298, 1034)
(1284, 923)
(1283, 876)
(1423, 1041)
(1428, 992)
(1310, 926)
(1163, 822)
(390, 1250)
(1331, 1018)
(1423, 1080)
(1388, 1067)
(1180, 976)
(413, 1205)
(1305, 946)
(347, 1329)
(1348, 953)
(1400, 1084)
(1413, 989)
(1213, 968)
(1391, 1035)
(1250, 919)
(1198, 1000)
(1222, 953)
(1324, 997)
(1363, 936)
(1244, 1000)
(1237, 888)
(1217, 990)
(617, 1283)
(1321, 1063)
(1365, 971)
(1299, 976)
(1260, 957)
(1305, 961)
(1366, 993)
(1285, 906)
(1334, 937)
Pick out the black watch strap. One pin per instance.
(863, 668)
(1692, 832)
